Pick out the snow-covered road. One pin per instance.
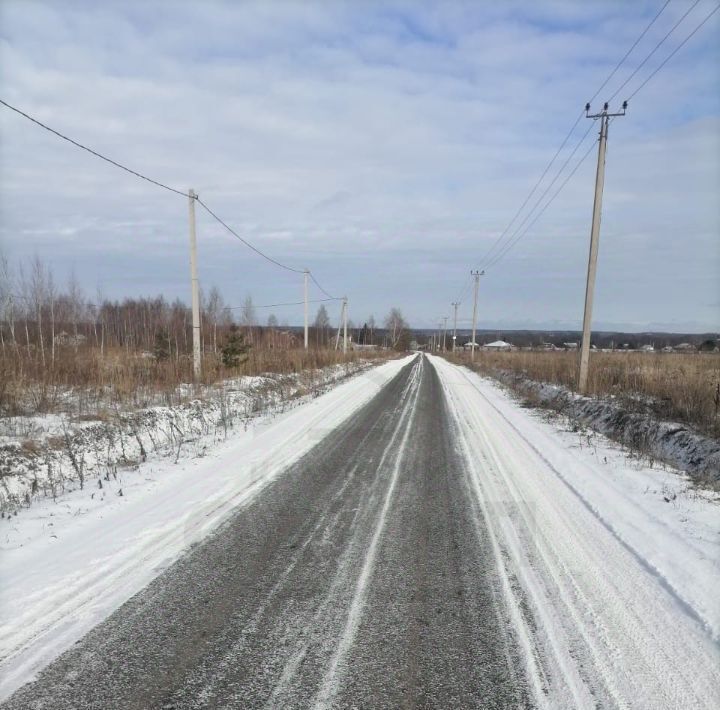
(414, 538)
(64, 567)
(613, 590)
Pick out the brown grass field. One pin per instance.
(85, 381)
(673, 386)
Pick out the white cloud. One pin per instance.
(385, 146)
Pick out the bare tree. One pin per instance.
(7, 302)
(397, 328)
(76, 301)
(321, 324)
(37, 296)
(371, 327)
(215, 307)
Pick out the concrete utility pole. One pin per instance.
(345, 316)
(477, 275)
(455, 306)
(340, 322)
(445, 319)
(195, 288)
(306, 308)
(604, 117)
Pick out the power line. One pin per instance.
(245, 241)
(160, 184)
(547, 204)
(510, 244)
(655, 49)
(93, 152)
(535, 187)
(314, 280)
(496, 244)
(673, 53)
(278, 305)
(629, 52)
(542, 197)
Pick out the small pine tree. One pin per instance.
(161, 348)
(235, 350)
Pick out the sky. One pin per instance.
(384, 145)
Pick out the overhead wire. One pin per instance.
(93, 152)
(654, 49)
(164, 186)
(629, 52)
(673, 53)
(487, 256)
(493, 261)
(314, 280)
(513, 240)
(246, 242)
(547, 204)
(278, 305)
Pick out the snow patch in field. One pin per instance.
(48, 455)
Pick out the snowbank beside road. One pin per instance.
(66, 565)
(611, 568)
(674, 443)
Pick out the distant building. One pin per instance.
(499, 345)
(570, 346)
(648, 348)
(685, 347)
(470, 346)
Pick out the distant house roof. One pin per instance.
(498, 344)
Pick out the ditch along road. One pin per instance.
(424, 554)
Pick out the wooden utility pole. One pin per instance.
(445, 320)
(345, 318)
(604, 118)
(455, 306)
(195, 287)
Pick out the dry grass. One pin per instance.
(673, 386)
(84, 383)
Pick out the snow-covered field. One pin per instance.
(618, 563)
(51, 454)
(66, 564)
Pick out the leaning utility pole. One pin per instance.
(306, 308)
(604, 117)
(477, 275)
(345, 311)
(455, 306)
(195, 288)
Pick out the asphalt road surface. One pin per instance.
(361, 578)
(441, 548)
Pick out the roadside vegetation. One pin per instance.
(682, 387)
(62, 352)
